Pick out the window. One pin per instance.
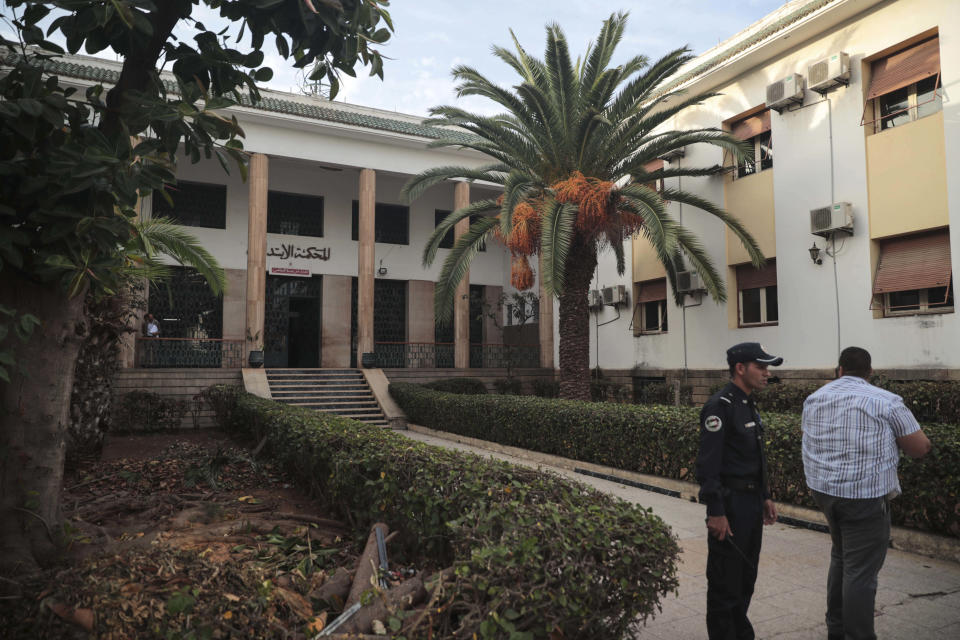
(650, 167)
(757, 294)
(447, 242)
(194, 204)
(294, 214)
(914, 275)
(905, 86)
(391, 223)
(650, 314)
(754, 128)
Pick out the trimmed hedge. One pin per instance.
(663, 441)
(930, 401)
(535, 556)
(471, 386)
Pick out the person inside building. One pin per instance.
(151, 330)
(852, 436)
(732, 471)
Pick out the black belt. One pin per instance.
(742, 484)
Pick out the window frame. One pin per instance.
(662, 318)
(923, 306)
(764, 308)
(378, 230)
(913, 105)
(758, 157)
(216, 190)
(276, 193)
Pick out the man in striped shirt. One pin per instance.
(852, 434)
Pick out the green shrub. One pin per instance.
(545, 387)
(470, 386)
(663, 441)
(662, 393)
(147, 411)
(535, 556)
(930, 401)
(508, 386)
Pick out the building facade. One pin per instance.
(880, 142)
(324, 260)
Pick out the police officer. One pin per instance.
(732, 471)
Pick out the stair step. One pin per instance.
(322, 376)
(313, 371)
(312, 383)
(334, 406)
(320, 395)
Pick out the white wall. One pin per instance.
(295, 166)
(807, 333)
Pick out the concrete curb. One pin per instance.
(910, 540)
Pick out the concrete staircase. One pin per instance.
(341, 391)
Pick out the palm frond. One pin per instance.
(164, 236)
(448, 223)
(557, 232)
(694, 253)
(745, 237)
(456, 266)
(419, 183)
(658, 226)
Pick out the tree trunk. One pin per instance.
(34, 414)
(575, 322)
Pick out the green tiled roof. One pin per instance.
(278, 105)
(743, 45)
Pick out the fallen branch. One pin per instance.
(336, 588)
(366, 565)
(404, 596)
(323, 522)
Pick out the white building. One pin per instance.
(882, 137)
(880, 133)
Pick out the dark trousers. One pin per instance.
(732, 568)
(860, 531)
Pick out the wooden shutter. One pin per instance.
(914, 262)
(652, 290)
(752, 126)
(905, 67)
(750, 278)
(653, 165)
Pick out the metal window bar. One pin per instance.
(189, 353)
(937, 92)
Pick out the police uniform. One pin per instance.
(731, 468)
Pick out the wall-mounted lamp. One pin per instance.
(382, 270)
(815, 254)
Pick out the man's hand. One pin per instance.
(769, 512)
(719, 527)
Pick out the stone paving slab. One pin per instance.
(918, 597)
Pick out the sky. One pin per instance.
(431, 36)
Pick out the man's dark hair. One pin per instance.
(855, 362)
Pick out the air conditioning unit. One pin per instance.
(688, 281)
(674, 155)
(827, 220)
(594, 299)
(828, 73)
(614, 295)
(783, 93)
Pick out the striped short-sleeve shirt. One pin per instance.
(850, 429)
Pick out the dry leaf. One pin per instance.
(231, 597)
(318, 623)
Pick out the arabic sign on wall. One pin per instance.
(292, 260)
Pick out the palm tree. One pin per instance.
(571, 150)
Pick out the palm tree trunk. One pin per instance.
(575, 322)
(33, 422)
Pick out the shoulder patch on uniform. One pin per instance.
(712, 423)
(725, 399)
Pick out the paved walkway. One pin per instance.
(918, 597)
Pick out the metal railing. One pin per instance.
(195, 353)
(430, 355)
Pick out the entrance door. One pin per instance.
(304, 333)
(292, 322)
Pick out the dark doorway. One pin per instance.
(292, 323)
(304, 333)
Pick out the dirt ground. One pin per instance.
(184, 535)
